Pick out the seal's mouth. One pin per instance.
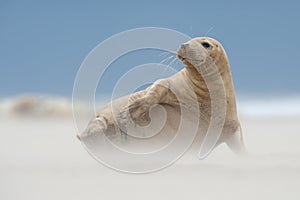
(184, 60)
(180, 57)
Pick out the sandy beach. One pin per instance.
(40, 158)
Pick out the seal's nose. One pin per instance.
(184, 45)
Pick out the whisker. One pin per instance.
(166, 59)
(177, 65)
(209, 30)
(192, 32)
(168, 65)
(163, 54)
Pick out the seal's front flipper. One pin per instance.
(138, 108)
(139, 104)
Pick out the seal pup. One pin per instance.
(173, 93)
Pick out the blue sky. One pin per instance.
(42, 43)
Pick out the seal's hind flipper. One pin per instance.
(236, 142)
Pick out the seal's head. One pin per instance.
(202, 51)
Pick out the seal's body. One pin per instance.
(177, 95)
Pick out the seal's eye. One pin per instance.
(205, 44)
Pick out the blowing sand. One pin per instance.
(40, 158)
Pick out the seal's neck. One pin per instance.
(199, 84)
(195, 78)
